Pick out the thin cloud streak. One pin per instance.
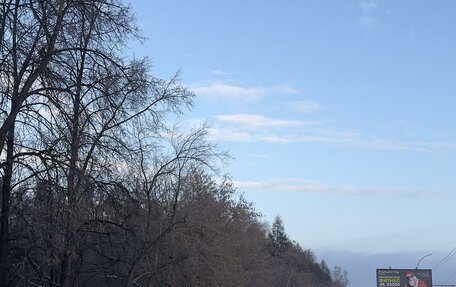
(345, 138)
(219, 73)
(308, 186)
(305, 106)
(259, 128)
(229, 92)
(228, 134)
(255, 121)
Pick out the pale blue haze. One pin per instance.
(340, 116)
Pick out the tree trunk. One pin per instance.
(73, 184)
(66, 270)
(6, 192)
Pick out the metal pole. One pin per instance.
(422, 259)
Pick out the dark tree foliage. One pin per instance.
(97, 189)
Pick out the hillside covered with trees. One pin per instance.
(97, 188)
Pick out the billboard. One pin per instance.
(404, 278)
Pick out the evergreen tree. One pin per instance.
(278, 237)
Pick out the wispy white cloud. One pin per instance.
(220, 73)
(254, 121)
(285, 89)
(328, 136)
(368, 9)
(233, 135)
(259, 128)
(305, 106)
(230, 92)
(309, 186)
(418, 146)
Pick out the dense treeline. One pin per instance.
(97, 189)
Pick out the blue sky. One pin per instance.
(339, 114)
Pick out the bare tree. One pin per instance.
(28, 35)
(63, 78)
(340, 277)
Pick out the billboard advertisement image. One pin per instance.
(404, 278)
